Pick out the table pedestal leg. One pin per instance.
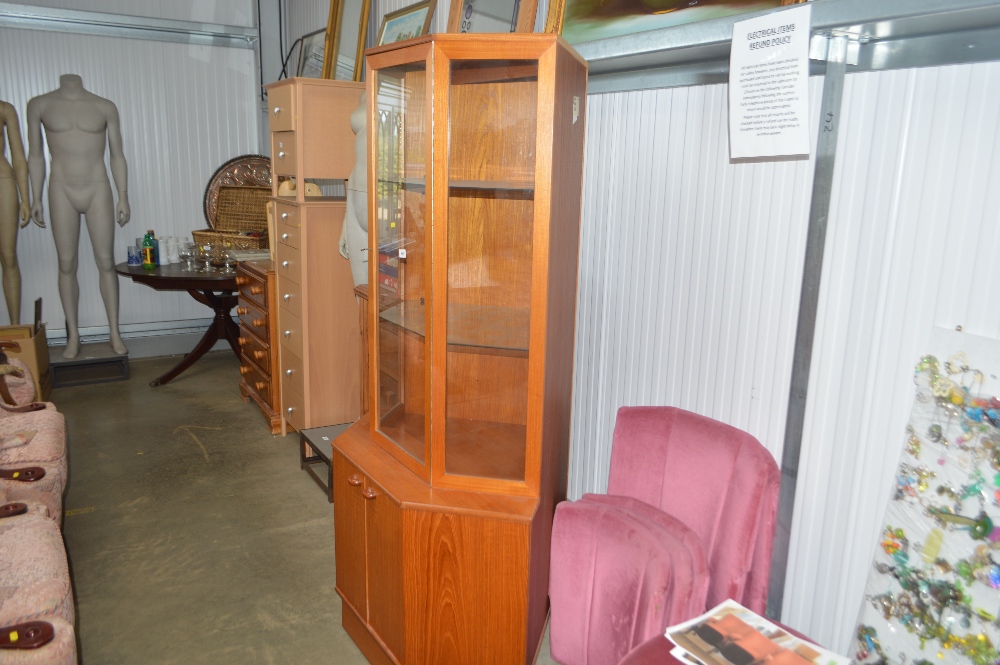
(223, 327)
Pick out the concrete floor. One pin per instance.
(192, 534)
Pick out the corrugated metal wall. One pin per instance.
(184, 110)
(228, 12)
(690, 277)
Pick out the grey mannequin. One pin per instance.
(13, 204)
(354, 234)
(78, 124)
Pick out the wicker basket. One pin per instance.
(241, 211)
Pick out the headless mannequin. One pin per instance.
(78, 124)
(354, 234)
(13, 204)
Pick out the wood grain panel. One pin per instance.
(370, 645)
(384, 524)
(563, 253)
(493, 131)
(466, 589)
(349, 533)
(487, 387)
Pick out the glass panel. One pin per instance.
(490, 227)
(401, 169)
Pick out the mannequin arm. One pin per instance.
(36, 162)
(18, 161)
(119, 168)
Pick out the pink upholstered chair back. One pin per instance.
(718, 480)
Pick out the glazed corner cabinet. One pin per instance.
(444, 491)
(317, 320)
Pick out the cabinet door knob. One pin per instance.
(259, 355)
(259, 323)
(284, 215)
(277, 110)
(288, 372)
(290, 409)
(369, 493)
(288, 333)
(354, 479)
(241, 310)
(284, 264)
(256, 290)
(286, 297)
(281, 154)
(241, 280)
(260, 385)
(284, 236)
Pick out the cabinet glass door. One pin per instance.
(492, 120)
(403, 258)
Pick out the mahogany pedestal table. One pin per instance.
(212, 289)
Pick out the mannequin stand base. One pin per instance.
(96, 363)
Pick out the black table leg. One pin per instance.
(222, 327)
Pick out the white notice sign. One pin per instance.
(768, 85)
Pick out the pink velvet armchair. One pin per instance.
(688, 521)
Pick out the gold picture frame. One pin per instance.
(406, 23)
(345, 16)
(672, 12)
(463, 12)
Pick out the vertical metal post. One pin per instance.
(819, 210)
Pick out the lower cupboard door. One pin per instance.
(384, 520)
(349, 533)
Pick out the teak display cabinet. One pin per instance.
(444, 491)
(317, 320)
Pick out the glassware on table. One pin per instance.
(185, 251)
(134, 256)
(203, 258)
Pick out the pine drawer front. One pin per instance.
(281, 109)
(252, 290)
(255, 349)
(283, 153)
(256, 381)
(253, 318)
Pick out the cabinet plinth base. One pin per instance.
(366, 642)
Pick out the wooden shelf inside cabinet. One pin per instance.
(454, 472)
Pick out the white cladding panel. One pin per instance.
(301, 18)
(689, 288)
(226, 12)
(184, 111)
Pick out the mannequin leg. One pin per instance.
(8, 248)
(101, 227)
(66, 233)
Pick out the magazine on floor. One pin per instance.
(730, 634)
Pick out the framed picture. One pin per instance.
(344, 44)
(311, 55)
(406, 23)
(492, 15)
(588, 20)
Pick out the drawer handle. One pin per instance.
(369, 493)
(241, 280)
(286, 297)
(241, 340)
(260, 385)
(284, 264)
(288, 333)
(284, 236)
(281, 154)
(244, 370)
(288, 372)
(354, 480)
(241, 311)
(259, 355)
(277, 110)
(256, 290)
(284, 215)
(259, 323)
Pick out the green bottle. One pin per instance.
(148, 260)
